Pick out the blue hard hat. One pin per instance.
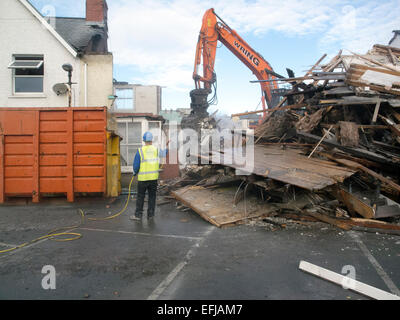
(148, 136)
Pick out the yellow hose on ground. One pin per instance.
(120, 212)
(55, 233)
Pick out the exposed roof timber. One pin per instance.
(48, 27)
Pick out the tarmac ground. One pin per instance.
(180, 256)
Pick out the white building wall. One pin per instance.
(396, 42)
(147, 99)
(22, 33)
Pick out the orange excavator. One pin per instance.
(214, 29)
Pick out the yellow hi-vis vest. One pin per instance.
(149, 163)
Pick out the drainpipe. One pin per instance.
(86, 85)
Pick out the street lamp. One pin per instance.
(68, 68)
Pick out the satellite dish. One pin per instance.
(60, 88)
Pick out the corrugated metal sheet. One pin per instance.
(52, 150)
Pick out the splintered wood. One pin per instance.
(216, 205)
(288, 166)
(334, 135)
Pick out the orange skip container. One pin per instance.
(47, 151)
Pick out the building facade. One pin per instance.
(34, 49)
(136, 109)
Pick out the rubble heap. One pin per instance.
(330, 151)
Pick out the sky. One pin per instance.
(153, 41)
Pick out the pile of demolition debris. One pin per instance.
(329, 151)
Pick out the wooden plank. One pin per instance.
(353, 151)
(349, 133)
(360, 126)
(360, 69)
(351, 284)
(376, 111)
(335, 155)
(376, 62)
(350, 101)
(356, 83)
(216, 205)
(202, 213)
(383, 48)
(319, 142)
(293, 106)
(393, 127)
(315, 78)
(354, 204)
(322, 217)
(376, 224)
(355, 165)
(392, 57)
(286, 166)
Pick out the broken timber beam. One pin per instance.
(375, 62)
(353, 151)
(293, 106)
(355, 165)
(322, 217)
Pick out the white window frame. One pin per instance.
(122, 87)
(14, 76)
(129, 167)
(145, 127)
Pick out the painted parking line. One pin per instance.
(384, 276)
(157, 292)
(143, 234)
(28, 246)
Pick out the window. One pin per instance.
(131, 133)
(125, 99)
(28, 74)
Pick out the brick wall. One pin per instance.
(96, 10)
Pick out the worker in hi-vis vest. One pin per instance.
(147, 166)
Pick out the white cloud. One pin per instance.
(159, 37)
(358, 28)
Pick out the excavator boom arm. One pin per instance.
(214, 29)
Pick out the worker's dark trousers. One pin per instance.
(151, 187)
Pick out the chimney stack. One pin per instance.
(96, 12)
